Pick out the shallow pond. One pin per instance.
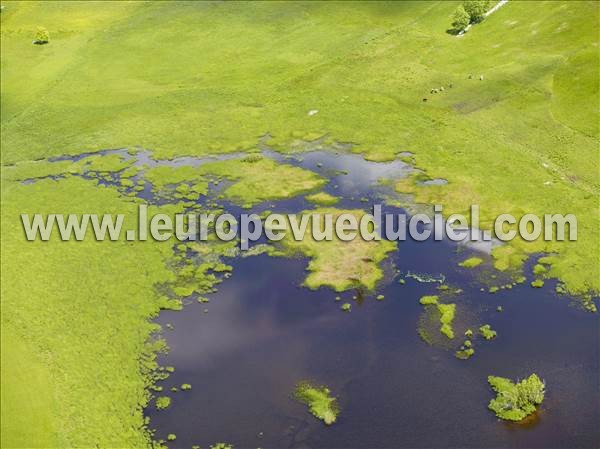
(262, 333)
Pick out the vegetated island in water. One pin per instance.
(516, 401)
(319, 400)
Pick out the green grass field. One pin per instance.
(195, 78)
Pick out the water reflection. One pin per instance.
(263, 334)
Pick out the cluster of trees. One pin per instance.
(471, 11)
(516, 401)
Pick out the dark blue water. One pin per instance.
(264, 333)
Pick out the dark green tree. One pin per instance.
(41, 36)
(460, 19)
(476, 9)
(514, 402)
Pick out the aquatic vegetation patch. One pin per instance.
(177, 182)
(262, 179)
(221, 446)
(99, 164)
(446, 313)
(464, 353)
(515, 401)
(471, 262)
(162, 402)
(37, 169)
(322, 198)
(338, 264)
(200, 273)
(487, 332)
(537, 283)
(319, 400)
(105, 163)
(508, 258)
(429, 299)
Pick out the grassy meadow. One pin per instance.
(517, 132)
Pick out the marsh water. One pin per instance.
(262, 333)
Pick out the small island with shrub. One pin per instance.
(516, 401)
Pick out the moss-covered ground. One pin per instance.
(322, 198)
(258, 179)
(338, 264)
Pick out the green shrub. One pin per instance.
(487, 332)
(41, 36)
(464, 354)
(429, 299)
(516, 401)
(162, 402)
(538, 283)
(476, 9)
(460, 19)
(251, 158)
